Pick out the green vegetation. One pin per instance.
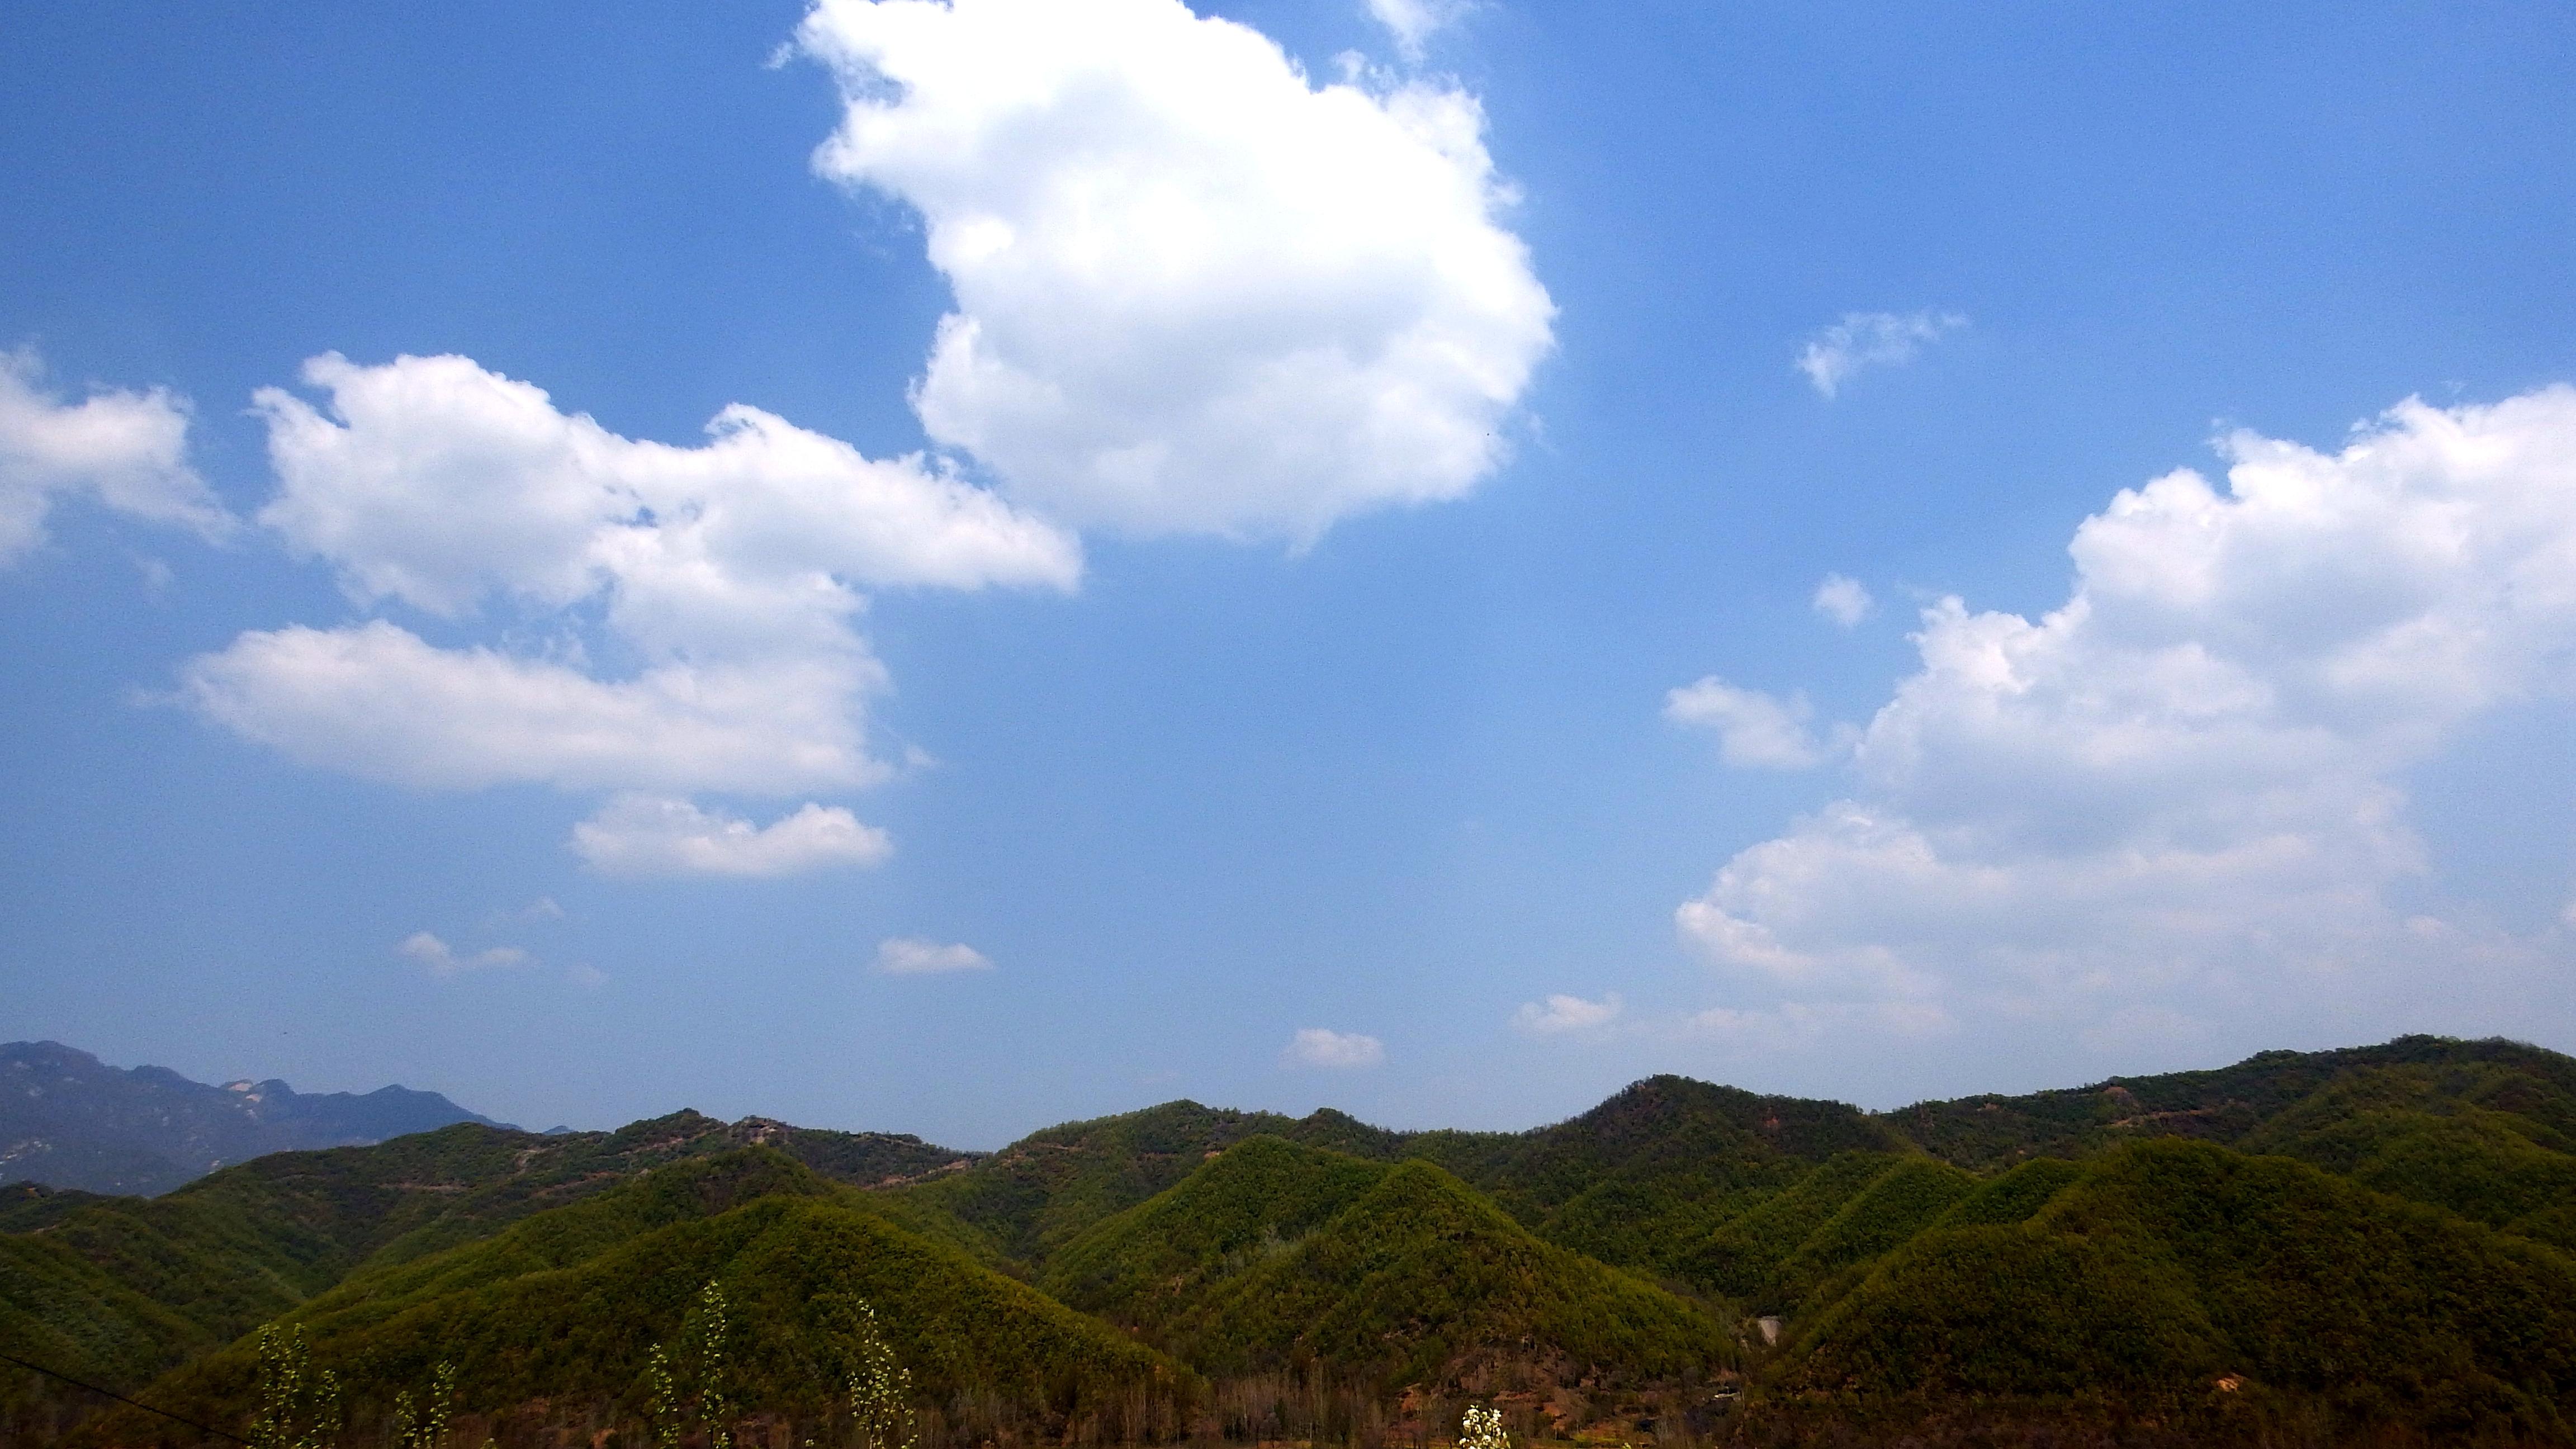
(1148, 1265)
(2495, 1145)
(1894, 1206)
(739, 1268)
(2014, 1197)
(1273, 1255)
(1020, 1205)
(299, 1405)
(1634, 1181)
(2166, 1266)
(2227, 1105)
(691, 1387)
(59, 1308)
(881, 1388)
(422, 1424)
(2300, 1248)
(1421, 1280)
(1743, 1258)
(1641, 1180)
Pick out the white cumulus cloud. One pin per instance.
(726, 578)
(1843, 599)
(441, 959)
(1870, 339)
(1754, 730)
(375, 700)
(651, 835)
(913, 956)
(1193, 291)
(2174, 802)
(434, 481)
(1314, 1046)
(127, 449)
(1560, 1014)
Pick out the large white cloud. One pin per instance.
(1194, 292)
(377, 701)
(2175, 800)
(436, 482)
(725, 579)
(129, 449)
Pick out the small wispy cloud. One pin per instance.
(1334, 1050)
(1870, 339)
(540, 911)
(651, 835)
(1413, 22)
(441, 959)
(1844, 600)
(1561, 1014)
(1754, 730)
(913, 956)
(128, 450)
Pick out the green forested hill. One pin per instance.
(115, 1290)
(1423, 1281)
(1273, 1254)
(2373, 1236)
(2161, 1268)
(1633, 1181)
(239, 1247)
(2493, 1143)
(1022, 1203)
(2227, 1104)
(1641, 1180)
(566, 1305)
(1144, 1268)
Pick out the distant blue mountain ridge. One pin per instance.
(69, 1120)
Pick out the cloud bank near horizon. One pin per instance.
(2177, 798)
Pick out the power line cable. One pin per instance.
(122, 1399)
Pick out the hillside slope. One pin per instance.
(116, 1290)
(2230, 1104)
(1634, 1181)
(563, 1307)
(2159, 1269)
(1274, 1254)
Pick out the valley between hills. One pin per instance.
(2374, 1245)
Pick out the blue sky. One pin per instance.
(1336, 615)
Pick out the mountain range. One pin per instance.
(69, 1120)
(2373, 1244)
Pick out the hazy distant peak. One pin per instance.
(68, 1119)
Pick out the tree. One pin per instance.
(880, 1386)
(691, 1382)
(299, 1405)
(424, 1426)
